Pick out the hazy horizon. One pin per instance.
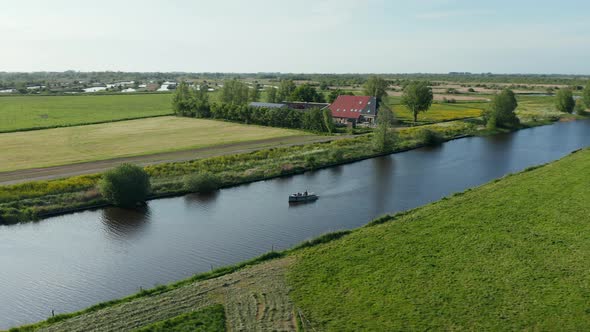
(326, 36)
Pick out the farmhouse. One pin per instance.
(354, 110)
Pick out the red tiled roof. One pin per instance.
(352, 107)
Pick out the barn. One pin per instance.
(354, 110)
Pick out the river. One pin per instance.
(69, 262)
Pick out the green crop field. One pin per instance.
(510, 255)
(34, 112)
(61, 146)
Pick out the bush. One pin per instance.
(201, 182)
(336, 155)
(311, 161)
(565, 101)
(429, 137)
(125, 186)
(579, 108)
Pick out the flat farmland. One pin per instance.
(441, 112)
(40, 112)
(63, 146)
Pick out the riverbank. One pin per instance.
(491, 257)
(38, 199)
(33, 200)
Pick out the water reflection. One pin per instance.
(125, 223)
(382, 181)
(202, 198)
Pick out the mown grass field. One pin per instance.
(33, 112)
(61, 146)
(510, 255)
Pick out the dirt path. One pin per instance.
(255, 299)
(55, 172)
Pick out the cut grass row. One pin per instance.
(510, 255)
(62, 146)
(40, 112)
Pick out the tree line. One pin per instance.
(195, 103)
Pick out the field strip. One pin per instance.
(54, 172)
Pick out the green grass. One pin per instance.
(35, 112)
(510, 255)
(62, 146)
(441, 112)
(210, 319)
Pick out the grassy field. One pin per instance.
(210, 319)
(441, 112)
(33, 112)
(62, 146)
(510, 255)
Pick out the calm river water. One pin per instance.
(70, 262)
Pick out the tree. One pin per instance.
(234, 92)
(328, 121)
(324, 86)
(254, 94)
(383, 136)
(127, 185)
(565, 101)
(200, 107)
(502, 109)
(307, 93)
(417, 97)
(385, 114)
(586, 95)
(271, 95)
(182, 100)
(286, 88)
(377, 87)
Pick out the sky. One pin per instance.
(297, 36)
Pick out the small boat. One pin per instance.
(302, 197)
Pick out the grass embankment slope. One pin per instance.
(253, 298)
(61, 146)
(37, 112)
(510, 255)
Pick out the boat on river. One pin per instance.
(302, 197)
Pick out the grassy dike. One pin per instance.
(32, 200)
(508, 255)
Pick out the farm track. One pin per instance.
(54, 172)
(255, 299)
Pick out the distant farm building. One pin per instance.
(300, 105)
(267, 105)
(354, 110)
